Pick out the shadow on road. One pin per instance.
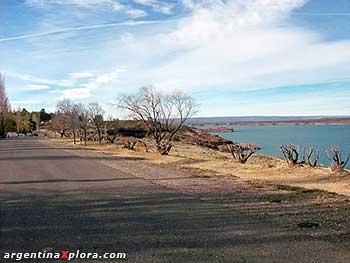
(52, 200)
(67, 157)
(157, 226)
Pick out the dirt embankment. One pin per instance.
(213, 163)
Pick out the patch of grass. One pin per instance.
(298, 189)
(259, 183)
(275, 200)
(263, 157)
(308, 224)
(289, 187)
(310, 191)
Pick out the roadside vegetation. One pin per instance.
(157, 132)
(208, 162)
(15, 122)
(311, 156)
(164, 115)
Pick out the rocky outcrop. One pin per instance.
(205, 140)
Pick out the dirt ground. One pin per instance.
(259, 169)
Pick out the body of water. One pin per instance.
(270, 138)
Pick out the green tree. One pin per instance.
(44, 116)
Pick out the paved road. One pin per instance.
(52, 199)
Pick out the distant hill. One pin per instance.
(264, 119)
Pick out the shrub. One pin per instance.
(336, 158)
(311, 156)
(291, 154)
(242, 152)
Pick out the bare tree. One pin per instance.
(336, 158)
(36, 119)
(84, 120)
(96, 116)
(4, 108)
(70, 114)
(59, 123)
(164, 115)
(290, 153)
(311, 156)
(242, 152)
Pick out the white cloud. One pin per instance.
(85, 89)
(238, 45)
(136, 13)
(110, 4)
(84, 3)
(77, 93)
(105, 78)
(220, 20)
(158, 6)
(81, 75)
(221, 45)
(77, 29)
(31, 78)
(36, 87)
(17, 103)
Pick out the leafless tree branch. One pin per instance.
(336, 157)
(242, 152)
(311, 156)
(291, 154)
(164, 115)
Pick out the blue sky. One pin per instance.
(236, 57)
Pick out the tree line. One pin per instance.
(78, 118)
(18, 120)
(163, 114)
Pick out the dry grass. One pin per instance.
(260, 167)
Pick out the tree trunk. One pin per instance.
(291, 163)
(74, 137)
(164, 148)
(99, 137)
(337, 167)
(62, 133)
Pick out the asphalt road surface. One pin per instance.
(53, 200)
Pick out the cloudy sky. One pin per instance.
(236, 57)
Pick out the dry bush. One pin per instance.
(242, 152)
(130, 143)
(311, 156)
(291, 154)
(338, 164)
(144, 144)
(111, 138)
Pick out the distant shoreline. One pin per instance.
(313, 122)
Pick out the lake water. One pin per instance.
(270, 138)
